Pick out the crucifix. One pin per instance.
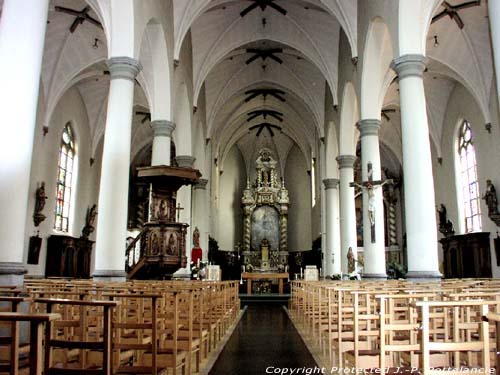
(370, 185)
(178, 209)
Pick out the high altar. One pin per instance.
(265, 204)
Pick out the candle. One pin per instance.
(301, 275)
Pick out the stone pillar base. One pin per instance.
(109, 275)
(12, 273)
(379, 276)
(424, 275)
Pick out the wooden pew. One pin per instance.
(37, 322)
(58, 338)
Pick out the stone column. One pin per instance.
(22, 36)
(373, 252)
(184, 197)
(331, 253)
(494, 18)
(348, 235)
(161, 141)
(201, 214)
(420, 207)
(113, 190)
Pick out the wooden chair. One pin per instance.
(37, 322)
(72, 335)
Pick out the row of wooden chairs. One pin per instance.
(154, 327)
(429, 327)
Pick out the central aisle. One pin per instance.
(264, 340)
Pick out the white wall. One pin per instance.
(298, 183)
(232, 183)
(462, 105)
(44, 168)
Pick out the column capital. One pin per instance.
(331, 183)
(201, 184)
(409, 65)
(162, 128)
(346, 161)
(368, 127)
(185, 161)
(123, 67)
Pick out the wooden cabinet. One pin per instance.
(68, 257)
(467, 255)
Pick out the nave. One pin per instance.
(264, 341)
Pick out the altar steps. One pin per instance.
(268, 298)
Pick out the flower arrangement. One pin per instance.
(198, 271)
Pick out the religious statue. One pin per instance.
(171, 248)
(89, 221)
(445, 225)
(40, 197)
(196, 252)
(351, 262)
(490, 197)
(196, 237)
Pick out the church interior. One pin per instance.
(168, 166)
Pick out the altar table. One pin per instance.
(264, 276)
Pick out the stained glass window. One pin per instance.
(468, 176)
(64, 179)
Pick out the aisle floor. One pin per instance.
(264, 341)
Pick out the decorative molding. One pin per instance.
(331, 183)
(434, 275)
(185, 161)
(12, 268)
(368, 127)
(162, 128)
(346, 161)
(201, 184)
(412, 65)
(123, 67)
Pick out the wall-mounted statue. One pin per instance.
(40, 199)
(445, 225)
(89, 221)
(490, 197)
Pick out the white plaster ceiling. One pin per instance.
(309, 37)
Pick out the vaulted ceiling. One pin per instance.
(299, 57)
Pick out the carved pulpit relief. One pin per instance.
(265, 207)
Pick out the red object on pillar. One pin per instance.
(196, 253)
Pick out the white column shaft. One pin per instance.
(494, 18)
(348, 233)
(332, 252)
(113, 192)
(420, 207)
(201, 220)
(373, 253)
(161, 151)
(22, 35)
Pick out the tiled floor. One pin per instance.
(264, 341)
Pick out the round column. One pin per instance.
(161, 142)
(331, 252)
(420, 207)
(113, 190)
(22, 36)
(184, 197)
(348, 235)
(494, 17)
(201, 214)
(373, 251)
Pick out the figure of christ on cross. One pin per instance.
(370, 186)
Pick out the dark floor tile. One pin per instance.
(264, 340)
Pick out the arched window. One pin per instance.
(468, 177)
(64, 179)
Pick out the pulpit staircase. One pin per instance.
(157, 251)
